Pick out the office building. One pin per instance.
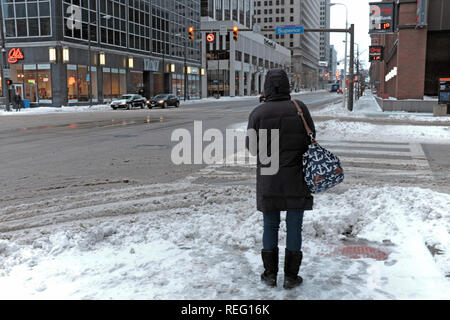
(305, 47)
(236, 68)
(135, 46)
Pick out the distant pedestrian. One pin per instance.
(286, 190)
(18, 102)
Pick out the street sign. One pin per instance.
(376, 53)
(381, 18)
(7, 73)
(257, 29)
(223, 30)
(210, 37)
(444, 91)
(294, 29)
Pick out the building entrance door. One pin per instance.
(30, 92)
(18, 89)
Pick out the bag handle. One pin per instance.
(308, 129)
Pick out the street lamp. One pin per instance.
(106, 17)
(345, 58)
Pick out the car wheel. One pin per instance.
(129, 106)
(177, 104)
(114, 108)
(142, 105)
(150, 107)
(164, 105)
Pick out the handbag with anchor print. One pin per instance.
(322, 169)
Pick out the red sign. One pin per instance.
(376, 53)
(210, 37)
(15, 54)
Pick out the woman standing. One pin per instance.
(286, 190)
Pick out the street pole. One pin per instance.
(185, 70)
(352, 54)
(90, 67)
(5, 89)
(357, 74)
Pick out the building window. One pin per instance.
(78, 82)
(30, 19)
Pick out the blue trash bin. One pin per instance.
(26, 103)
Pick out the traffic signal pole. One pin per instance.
(5, 88)
(352, 68)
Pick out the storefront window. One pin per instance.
(94, 91)
(44, 83)
(83, 85)
(137, 81)
(30, 82)
(123, 81)
(107, 83)
(115, 87)
(72, 91)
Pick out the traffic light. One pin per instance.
(191, 33)
(8, 82)
(235, 33)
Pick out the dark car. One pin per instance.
(128, 101)
(163, 101)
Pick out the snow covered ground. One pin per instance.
(190, 241)
(367, 107)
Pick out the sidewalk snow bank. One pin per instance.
(211, 250)
(335, 129)
(367, 107)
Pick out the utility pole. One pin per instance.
(352, 67)
(3, 59)
(357, 75)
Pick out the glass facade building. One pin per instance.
(107, 47)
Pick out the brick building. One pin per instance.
(416, 54)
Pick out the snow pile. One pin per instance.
(209, 249)
(360, 131)
(367, 107)
(53, 110)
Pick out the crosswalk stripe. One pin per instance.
(358, 159)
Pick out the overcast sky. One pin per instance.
(358, 14)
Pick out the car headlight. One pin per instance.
(148, 101)
(123, 103)
(161, 101)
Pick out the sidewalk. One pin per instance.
(367, 107)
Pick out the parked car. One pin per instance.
(163, 101)
(128, 101)
(261, 98)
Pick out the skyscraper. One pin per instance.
(236, 67)
(305, 47)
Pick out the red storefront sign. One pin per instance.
(15, 54)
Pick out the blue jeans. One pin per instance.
(294, 223)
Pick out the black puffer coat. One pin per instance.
(286, 190)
